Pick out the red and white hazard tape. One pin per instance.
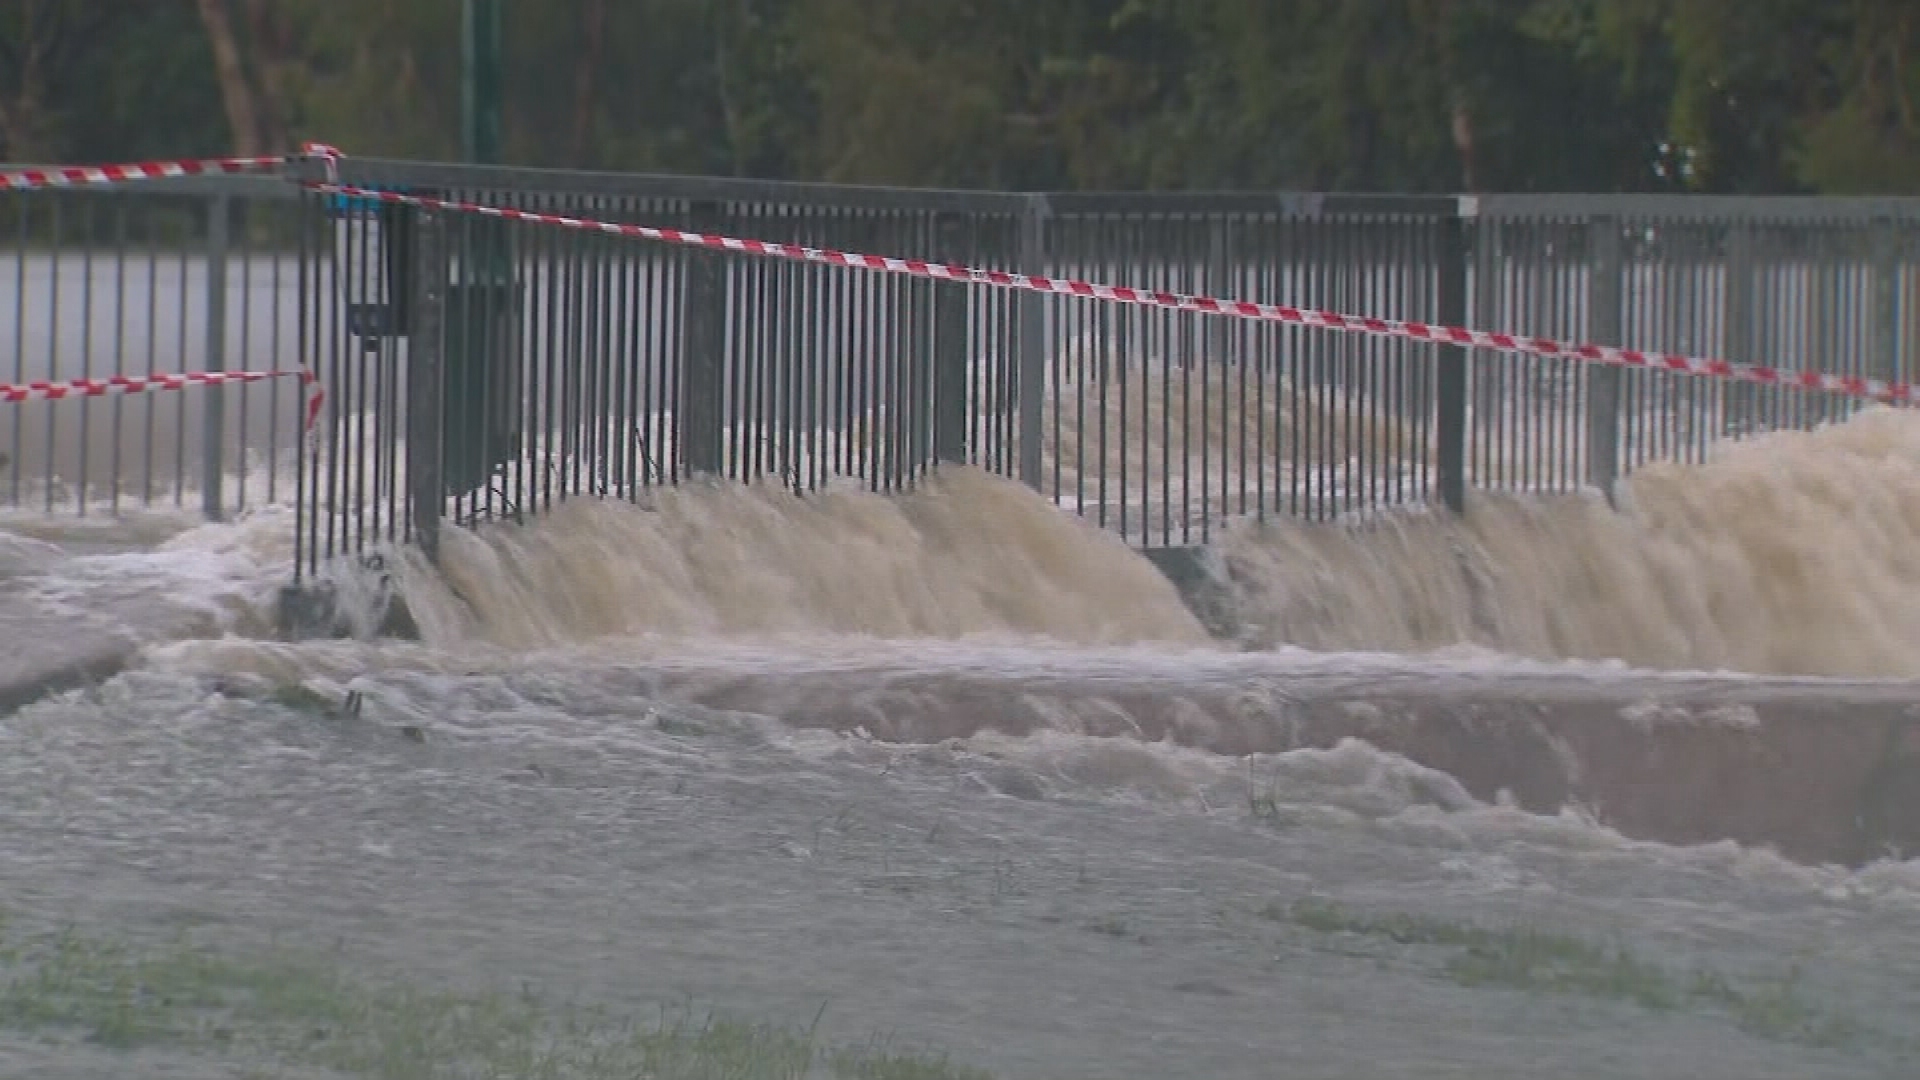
(85, 175)
(105, 386)
(1848, 385)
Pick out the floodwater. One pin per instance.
(525, 797)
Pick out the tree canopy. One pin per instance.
(1764, 96)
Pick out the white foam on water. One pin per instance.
(1788, 553)
(1356, 788)
(966, 554)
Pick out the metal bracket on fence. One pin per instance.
(376, 300)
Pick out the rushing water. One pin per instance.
(521, 796)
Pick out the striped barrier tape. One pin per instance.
(105, 386)
(1847, 385)
(86, 175)
(67, 176)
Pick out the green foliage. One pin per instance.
(288, 1010)
(1535, 960)
(1409, 95)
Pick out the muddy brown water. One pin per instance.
(954, 768)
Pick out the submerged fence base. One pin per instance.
(357, 599)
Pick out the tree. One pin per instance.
(40, 42)
(1387, 95)
(1863, 137)
(237, 90)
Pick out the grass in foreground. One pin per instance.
(1535, 960)
(287, 1011)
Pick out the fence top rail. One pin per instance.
(386, 172)
(1654, 209)
(235, 185)
(1295, 204)
(391, 172)
(1699, 209)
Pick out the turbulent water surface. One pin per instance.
(520, 798)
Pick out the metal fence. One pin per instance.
(478, 370)
(163, 277)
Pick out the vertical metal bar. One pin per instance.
(1032, 341)
(328, 330)
(789, 375)
(1057, 359)
(760, 439)
(1885, 242)
(1219, 271)
(1261, 351)
(304, 516)
(354, 389)
(626, 424)
(119, 345)
(274, 334)
(600, 345)
(810, 366)
(703, 318)
(838, 320)
(24, 238)
(574, 357)
(1189, 265)
(213, 428)
(1105, 315)
(1739, 322)
(866, 307)
(246, 351)
(1076, 326)
(83, 465)
(181, 352)
(1604, 325)
(426, 484)
(950, 350)
(546, 469)
(1450, 422)
(53, 344)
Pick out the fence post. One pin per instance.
(950, 347)
(1606, 324)
(703, 335)
(1032, 350)
(426, 341)
(1450, 389)
(214, 422)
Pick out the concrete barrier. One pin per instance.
(1821, 772)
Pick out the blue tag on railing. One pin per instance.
(359, 206)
